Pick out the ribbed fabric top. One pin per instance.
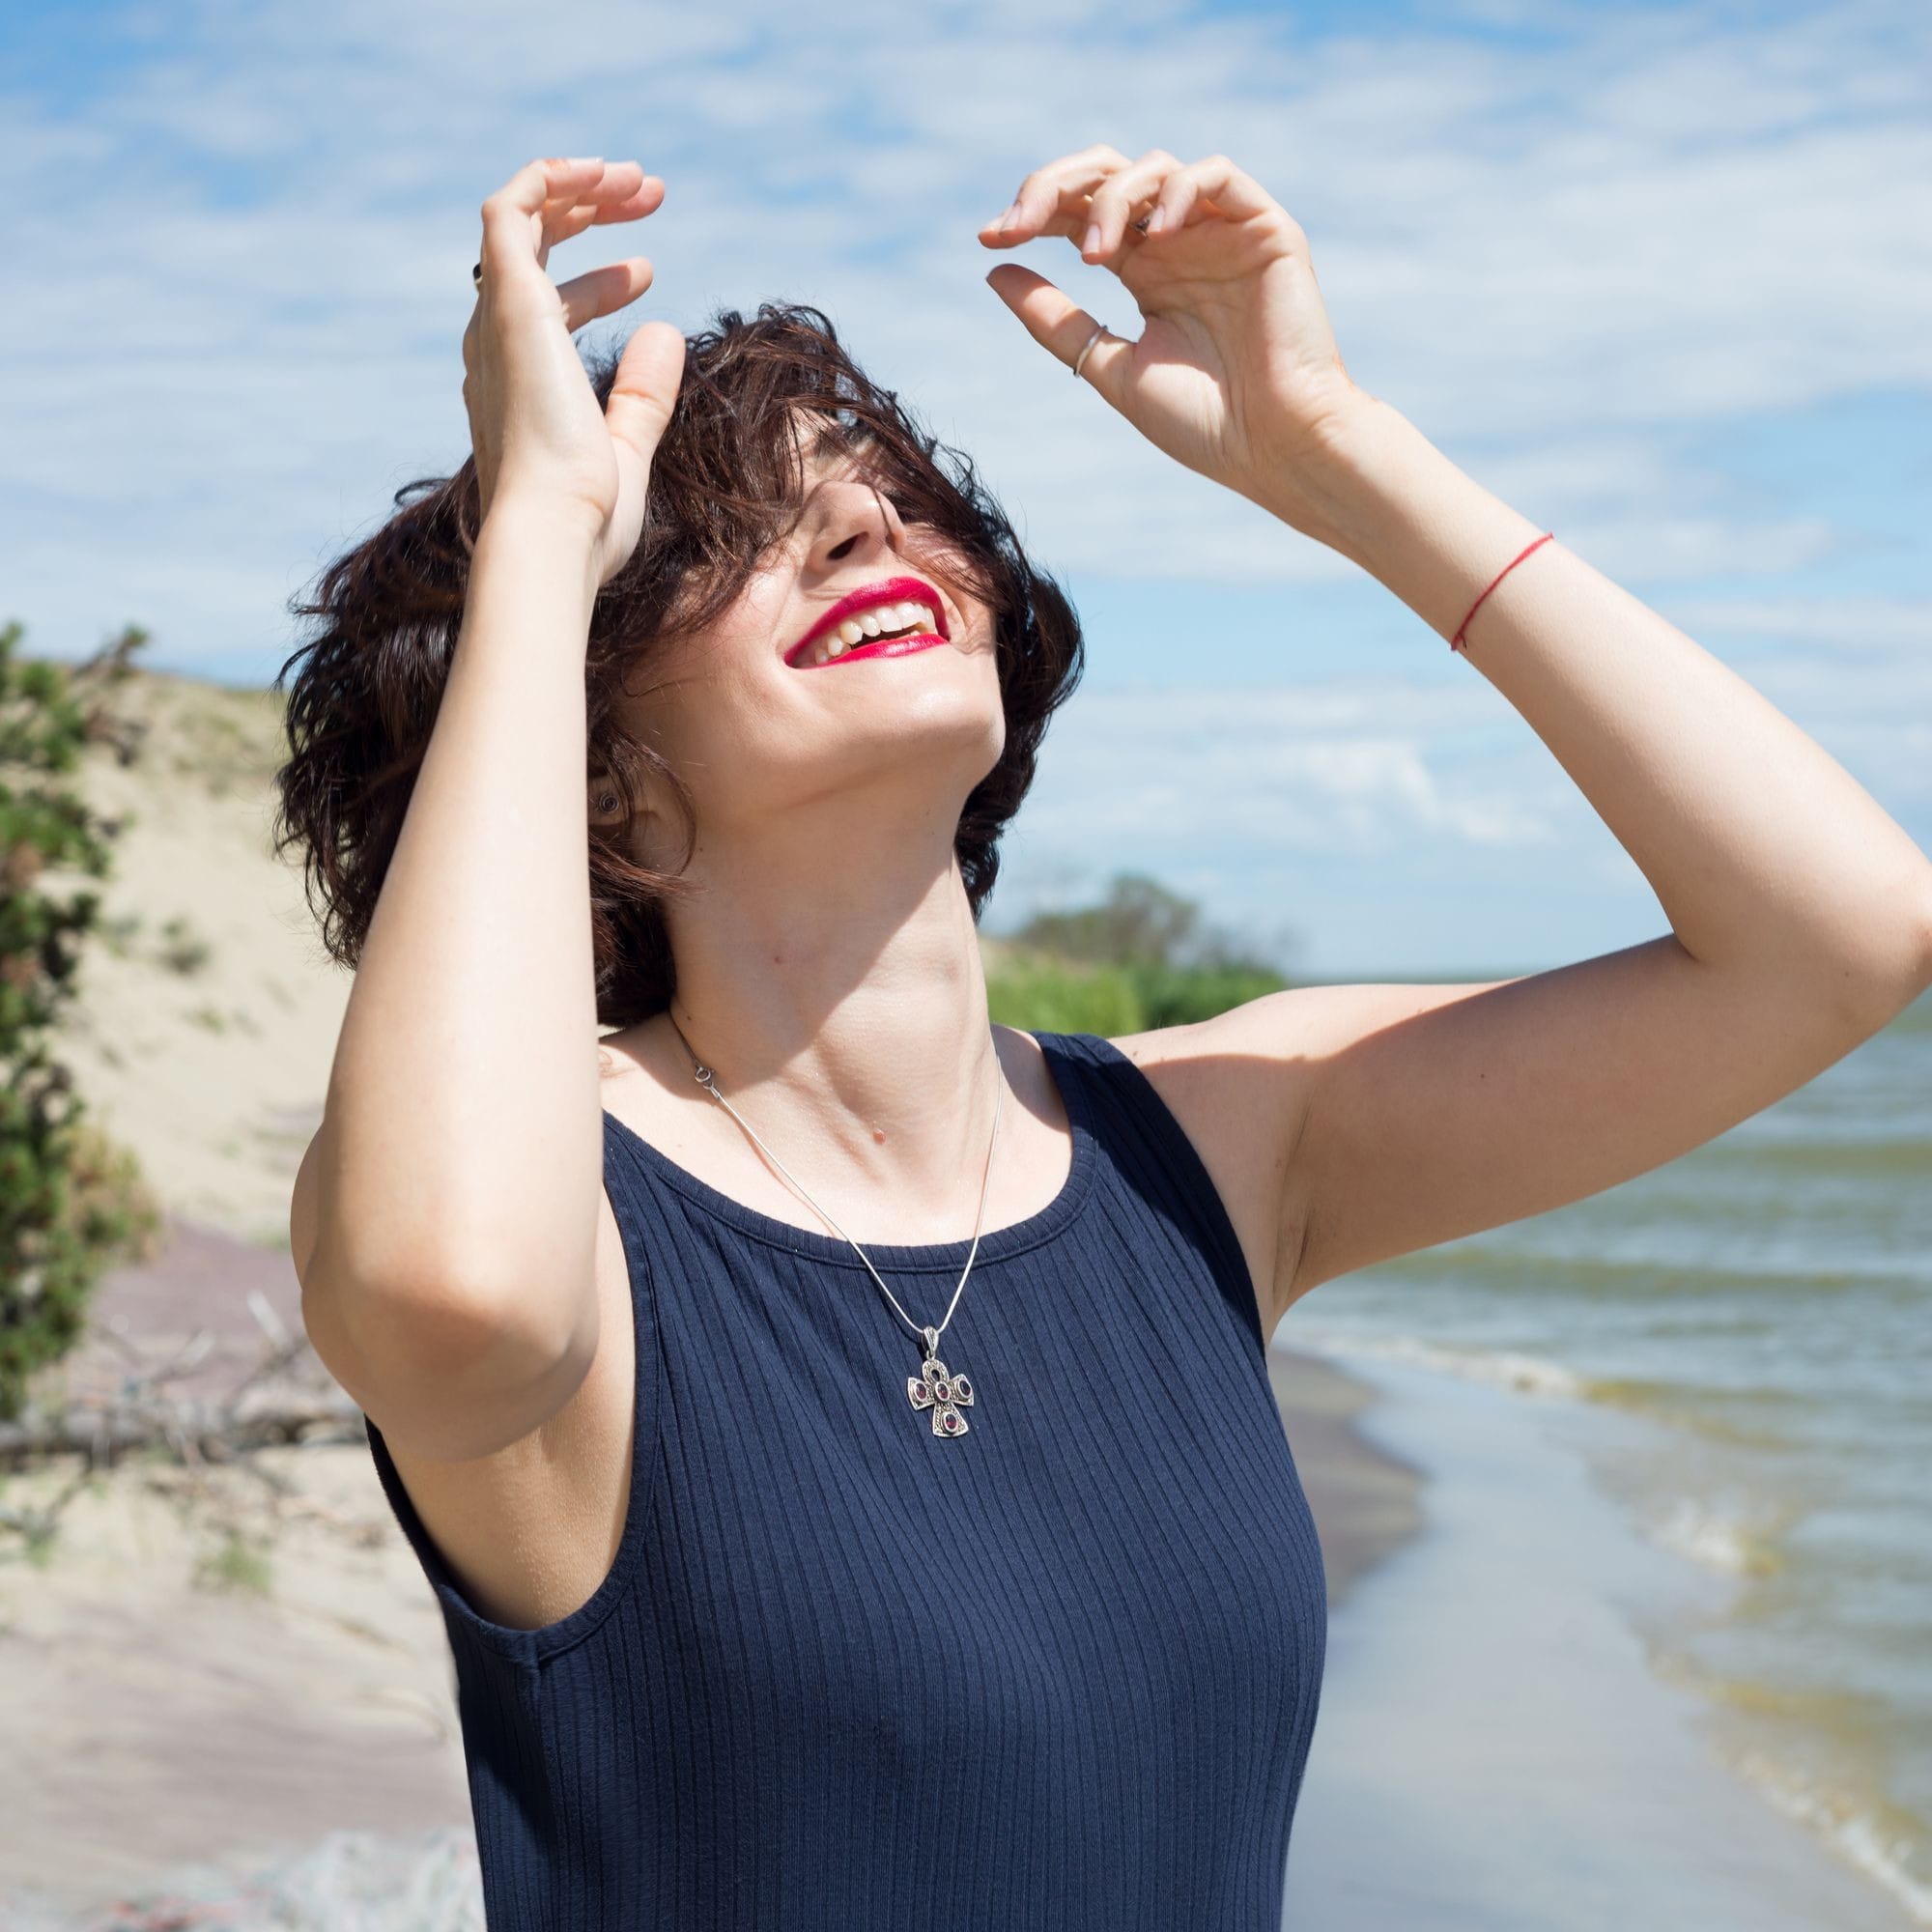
(1060, 1672)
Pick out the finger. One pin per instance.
(1053, 200)
(513, 217)
(603, 290)
(612, 200)
(508, 213)
(567, 214)
(1211, 186)
(1061, 326)
(644, 388)
(1120, 199)
(646, 198)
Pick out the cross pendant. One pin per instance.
(937, 1390)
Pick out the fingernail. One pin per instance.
(1093, 239)
(1012, 215)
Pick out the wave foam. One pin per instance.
(1501, 1367)
(1853, 1834)
(1735, 1546)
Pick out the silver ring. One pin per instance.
(1142, 223)
(1099, 330)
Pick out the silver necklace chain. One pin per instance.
(935, 1387)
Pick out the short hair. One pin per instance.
(728, 483)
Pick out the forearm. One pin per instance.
(463, 1093)
(1766, 854)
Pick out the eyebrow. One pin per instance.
(836, 435)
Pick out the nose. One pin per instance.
(856, 520)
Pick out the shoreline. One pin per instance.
(1365, 1497)
(1496, 1749)
(1493, 1742)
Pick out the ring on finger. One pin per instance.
(1099, 330)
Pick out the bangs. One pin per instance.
(761, 401)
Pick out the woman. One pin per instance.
(743, 1634)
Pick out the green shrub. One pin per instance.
(1050, 996)
(1140, 958)
(70, 1205)
(1043, 997)
(1180, 995)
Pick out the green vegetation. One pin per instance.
(1140, 958)
(239, 1565)
(183, 949)
(72, 1204)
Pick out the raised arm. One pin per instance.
(446, 1216)
(1799, 913)
(444, 1220)
(1391, 1117)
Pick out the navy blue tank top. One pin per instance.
(846, 1674)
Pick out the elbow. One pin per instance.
(1898, 974)
(1924, 979)
(375, 1337)
(1916, 961)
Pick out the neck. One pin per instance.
(842, 1010)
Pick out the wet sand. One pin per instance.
(1494, 1750)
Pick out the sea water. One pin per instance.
(1765, 1301)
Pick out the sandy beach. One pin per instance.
(220, 1667)
(228, 1685)
(210, 1671)
(1492, 1751)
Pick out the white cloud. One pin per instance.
(1356, 790)
(1357, 768)
(248, 258)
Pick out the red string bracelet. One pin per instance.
(1456, 642)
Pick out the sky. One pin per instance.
(1660, 278)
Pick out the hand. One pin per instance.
(1235, 373)
(538, 434)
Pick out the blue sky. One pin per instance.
(1660, 278)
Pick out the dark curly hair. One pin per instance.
(726, 485)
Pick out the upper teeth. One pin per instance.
(872, 623)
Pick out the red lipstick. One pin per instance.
(881, 647)
(893, 590)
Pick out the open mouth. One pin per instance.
(888, 645)
(883, 620)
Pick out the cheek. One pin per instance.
(718, 692)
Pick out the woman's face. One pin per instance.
(857, 749)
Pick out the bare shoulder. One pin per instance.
(1238, 1096)
(533, 1528)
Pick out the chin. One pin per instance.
(939, 747)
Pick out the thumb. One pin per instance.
(1062, 328)
(645, 387)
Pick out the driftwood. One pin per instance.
(211, 1431)
(285, 1398)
